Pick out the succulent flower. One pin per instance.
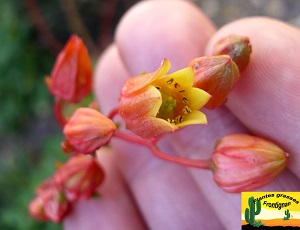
(71, 77)
(79, 177)
(87, 130)
(216, 75)
(155, 103)
(237, 47)
(242, 162)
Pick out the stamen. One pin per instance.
(185, 100)
(157, 87)
(181, 91)
(176, 85)
(179, 119)
(172, 121)
(186, 110)
(170, 81)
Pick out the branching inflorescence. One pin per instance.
(151, 105)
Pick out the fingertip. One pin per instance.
(266, 97)
(153, 30)
(110, 75)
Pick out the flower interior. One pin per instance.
(180, 101)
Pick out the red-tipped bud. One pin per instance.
(242, 162)
(237, 47)
(49, 204)
(215, 75)
(88, 130)
(79, 177)
(71, 77)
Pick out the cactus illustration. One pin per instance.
(287, 215)
(253, 210)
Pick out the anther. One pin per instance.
(179, 119)
(185, 100)
(170, 81)
(186, 110)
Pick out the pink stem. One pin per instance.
(113, 113)
(150, 144)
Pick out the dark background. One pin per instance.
(32, 32)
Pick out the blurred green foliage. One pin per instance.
(18, 183)
(24, 100)
(23, 64)
(28, 151)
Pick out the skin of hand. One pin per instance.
(143, 192)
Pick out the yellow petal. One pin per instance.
(193, 118)
(197, 98)
(184, 77)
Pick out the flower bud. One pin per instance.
(237, 47)
(215, 75)
(71, 77)
(242, 162)
(49, 204)
(88, 130)
(155, 103)
(79, 177)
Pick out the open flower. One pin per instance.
(79, 177)
(155, 103)
(216, 75)
(88, 130)
(242, 162)
(71, 77)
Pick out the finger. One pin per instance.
(220, 123)
(267, 97)
(166, 193)
(151, 31)
(115, 209)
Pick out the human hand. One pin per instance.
(142, 191)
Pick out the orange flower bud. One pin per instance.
(216, 75)
(242, 162)
(153, 104)
(88, 130)
(49, 204)
(79, 177)
(237, 47)
(71, 77)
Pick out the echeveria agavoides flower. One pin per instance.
(242, 162)
(237, 47)
(79, 177)
(50, 203)
(155, 103)
(88, 130)
(216, 75)
(71, 77)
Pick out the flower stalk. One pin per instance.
(58, 112)
(151, 145)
